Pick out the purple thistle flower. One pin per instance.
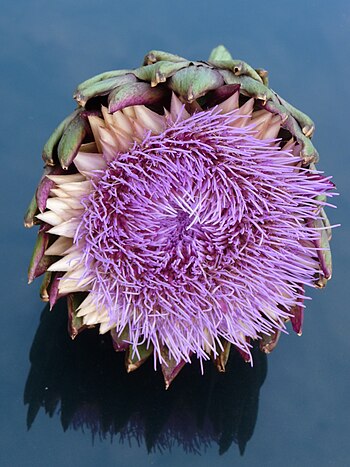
(198, 234)
(188, 230)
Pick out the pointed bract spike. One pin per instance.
(58, 192)
(101, 88)
(238, 68)
(100, 77)
(247, 108)
(271, 131)
(246, 111)
(171, 369)
(76, 189)
(193, 107)
(71, 140)
(321, 281)
(296, 150)
(53, 288)
(195, 81)
(326, 224)
(139, 131)
(177, 108)
(304, 120)
(50, 217)
(120, 343)
(93, 318)
(73, 203)
(109, 152)
(135, 94)
(88, 303)
(323, 252)
(107, 117)
(228, 93)
(242, 68)
(129, 111)
(59, 247)
(121, 121)
(248, 86)
(246, 355)
(61, 179)
(75, 324)
(261, 117)
(39, 262)
(45, 186)
(308, 152)
(66, 263)
(38, 252)
(297, 317)
(106, 136)
(113, 141)
(166, 69)
(220, 53)
(264, 75)
(84, 310)
(74, 281)
(157, 55)
(96, 123)
(133, 361)
(51, 144)
(149, 119)
(59, 206)
(66, 229)
(159, 72)
(105, 327)
(264, 124)
(268, 342)
(88, 147)
(32, 210)
(72, 249)
(221, 360)
(88, 163)
(44, 294)
(289, 145)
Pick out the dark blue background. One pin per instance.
(46, 49)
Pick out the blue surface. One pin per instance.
(46, 49)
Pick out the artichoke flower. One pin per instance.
(180, 210)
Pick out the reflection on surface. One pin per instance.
(85, 380)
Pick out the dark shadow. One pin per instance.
(85, 381)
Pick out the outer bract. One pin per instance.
(181, 210)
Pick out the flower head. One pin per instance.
(191, 221)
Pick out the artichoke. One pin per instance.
(180, 210)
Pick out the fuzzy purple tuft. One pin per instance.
(200, 233)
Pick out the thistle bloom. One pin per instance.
(181, 211)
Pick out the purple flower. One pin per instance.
(188, 230)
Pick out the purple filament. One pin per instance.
(199, 233)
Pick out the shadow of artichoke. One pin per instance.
(86, 383)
